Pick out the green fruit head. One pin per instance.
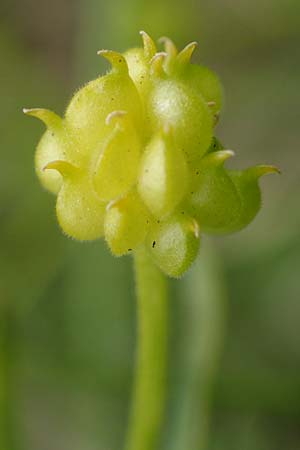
(134, 159)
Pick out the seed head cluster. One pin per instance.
(135, 158)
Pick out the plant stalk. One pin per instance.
(148, 402)
(203, 320)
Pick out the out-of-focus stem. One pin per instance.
(150, 380)
(203, 318)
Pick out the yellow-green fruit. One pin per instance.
(53, 145)
(49, 149)
(175, 103)
(163, 165)
(138, 66)
(117, 167)
(126, 224)
(246, 183)
(91, 105)
(174, 244)
(138, 60)
(205, 82)
(79, 211)
(214, 200)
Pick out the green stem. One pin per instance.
(203, 322)
(149, 391)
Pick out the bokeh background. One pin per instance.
(68, 310)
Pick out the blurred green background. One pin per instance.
(68, 309)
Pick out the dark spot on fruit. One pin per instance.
(130, 249)
(153, 244)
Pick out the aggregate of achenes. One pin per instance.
(135, 160)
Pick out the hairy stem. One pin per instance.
(149, 391)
